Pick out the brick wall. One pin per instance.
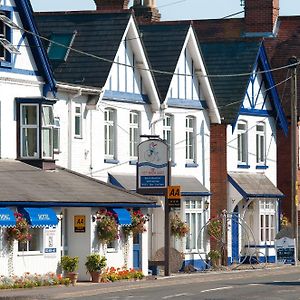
(111, 4)
(261, 15)
(218, 168)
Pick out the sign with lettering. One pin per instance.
(152, 166)
(174, 192)
(50, 248)
(79, 223)
(285, 251)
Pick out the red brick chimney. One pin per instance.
(111, 4)
(146, 11)
(261, 16)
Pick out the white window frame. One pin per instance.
(190, 139)
(56, 128)
(78, 117)
(261, 143)
(242, 142)
(168, 133)
(134, 133)
(267, 221)
(29, 126)
(195, 217)
(49, 127)
(109, 123)
(37, 233)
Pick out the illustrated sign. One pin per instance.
(152, 166)
(285, 251)
(79, 223)
(50, 248)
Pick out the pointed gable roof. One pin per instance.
(238, 57)
(40, 56)
(97, 33)
(164, 43)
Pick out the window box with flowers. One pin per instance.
(178, 228)
(20, 232)
(138, 221)
(106, 226)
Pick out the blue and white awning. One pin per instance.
(7, 218)
(124, 216)
(39, 217)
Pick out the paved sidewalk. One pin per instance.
(84, 289)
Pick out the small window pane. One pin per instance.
(30, 142)
(47, 142)
(29, 115)
(48, 118)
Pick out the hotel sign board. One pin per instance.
(79, 223)
(152, 167)
(285, 251)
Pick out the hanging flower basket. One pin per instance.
(20, 232)
(106, 226)
(138, 221)
(178, 228)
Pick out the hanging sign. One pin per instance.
(174, 196)
(79, 223)
(152, 166)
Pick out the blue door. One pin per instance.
(235, 236)
(136, 251)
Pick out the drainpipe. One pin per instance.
(91, 144)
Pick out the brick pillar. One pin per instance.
(261, 15)
(146, 11)
(218, 168)
(111, 4)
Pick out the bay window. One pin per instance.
(35, 134)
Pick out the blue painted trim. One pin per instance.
(133, 162)
(198, 264)
(243, 166)
(112, 180)
(204, 194)
(191, 165)
(148, 164)
(37, 48)
(184, 103)
(39, 100)
(6, 67)
(274, 93)
(9, 8)
(262, 167)
(256, 112)
(77, 204)
(246, 196)
(111, 161)
(126, 97)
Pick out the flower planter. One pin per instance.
(73, 277)
(96, 276)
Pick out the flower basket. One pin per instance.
(138, 221)
(178, 228)
(106, 226)
(20, 232)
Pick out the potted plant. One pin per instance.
(70, 266)
(138, 221)
(215, 257)
(178, 228)
(95, 263)
(106, 226)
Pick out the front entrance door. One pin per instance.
(235, 236)
(136, 251)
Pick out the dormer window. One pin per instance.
(6, 46)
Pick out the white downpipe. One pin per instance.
(70, 126)
(91, 143)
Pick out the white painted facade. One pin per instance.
(86, 154)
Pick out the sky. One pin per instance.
(173, 9)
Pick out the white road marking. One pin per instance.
(176, 295)
(217, 289)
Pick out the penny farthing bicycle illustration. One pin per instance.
(151, 154)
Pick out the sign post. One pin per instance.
(153, 178)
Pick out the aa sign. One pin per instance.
(79, 223)
(174, 192)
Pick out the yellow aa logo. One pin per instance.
(174, 192)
